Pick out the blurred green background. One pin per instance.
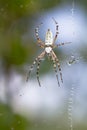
(18, 48)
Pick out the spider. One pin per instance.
(48, 47)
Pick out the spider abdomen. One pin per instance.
(48, 49)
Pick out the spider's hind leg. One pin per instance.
(37, 60)
(31, 68)
(58, 64)
(55, 69)
(57, 61)
(37, 73)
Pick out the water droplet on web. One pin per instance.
(73, 60)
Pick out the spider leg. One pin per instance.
(56, 31)
(61, 44)
(38, 65)
(55, 69)
(57, 61)
(32, 66)
(37, 73)
(40, 42)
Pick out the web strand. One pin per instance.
(70, 108)
(72, 16)
(71, 94)
(73, 7)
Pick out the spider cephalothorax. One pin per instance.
(48, 46)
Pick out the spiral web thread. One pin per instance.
(72, 17)
(70, 108)
(71, 94)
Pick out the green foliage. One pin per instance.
(11, 121)
(49, 3)
(17, 53)
(12, 10)
(12, 51)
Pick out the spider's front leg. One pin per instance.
(61, 44)
(39, 41)
(56, 35)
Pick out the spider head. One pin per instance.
(49, 38)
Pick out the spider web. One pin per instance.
(72, 89)
(72, 16)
